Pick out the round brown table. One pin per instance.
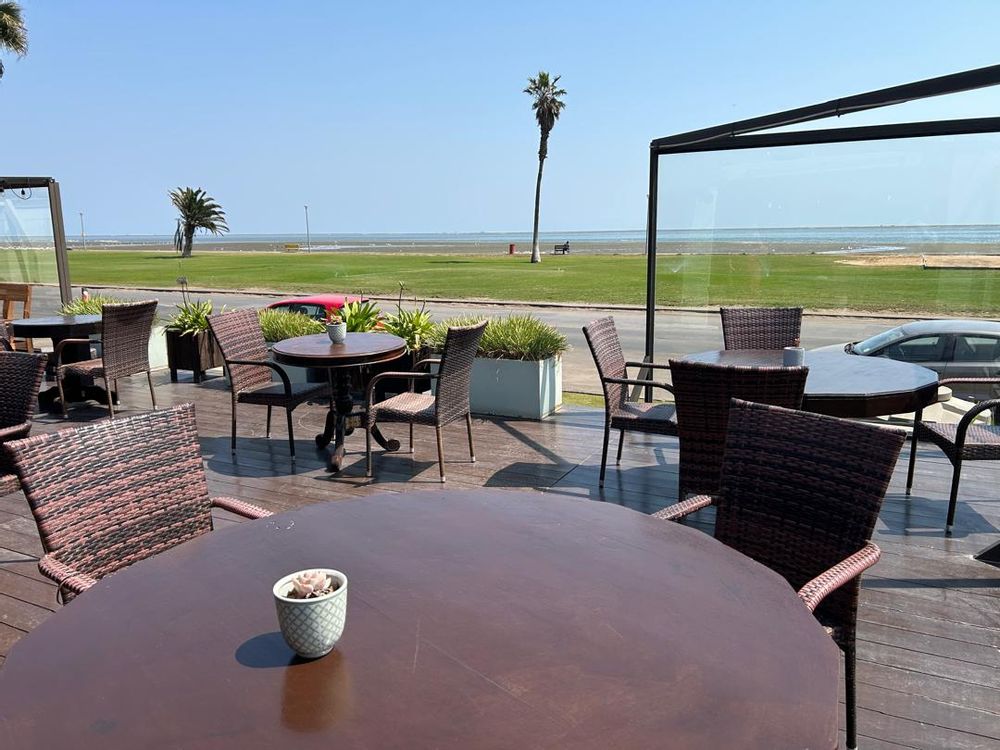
(358, 349)
(480, 619)
(57, 328)
(845, 385)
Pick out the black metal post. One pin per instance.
(654, 178)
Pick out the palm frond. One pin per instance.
(13, 34)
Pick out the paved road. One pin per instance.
(677, 332)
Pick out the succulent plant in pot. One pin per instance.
(312, 609)
(336, 328)
(189, 343)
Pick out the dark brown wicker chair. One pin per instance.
(620, 413)
(449, 403)
(800, 493)
(245, 354)
(125, 330)
(702, 393)
(115, 492)
(20, 378)
(761, 327)
(965, 441)
(6, 337)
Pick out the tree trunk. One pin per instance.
(188, 241)
(536, 256)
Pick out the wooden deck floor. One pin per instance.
(929, 652)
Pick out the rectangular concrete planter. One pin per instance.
(515, 388)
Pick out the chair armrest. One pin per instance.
(5, 344)
(847, 570)
(15, 431)
(630, 381)
(948, 381)
(969, 417)
(9, 484)
(677, 511)
(240, 508)
(66, 576)
(57, 352)
(427, 361)
(411, 376)
(651, 365)
(269, 364)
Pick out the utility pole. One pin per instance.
(308, 243)
(83, 234)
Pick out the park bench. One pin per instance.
(561, 249)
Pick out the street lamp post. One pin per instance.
(308, 243)
(83, 234)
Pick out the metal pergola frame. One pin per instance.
(745, 134)
(58, 229)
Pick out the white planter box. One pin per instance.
(514, 388)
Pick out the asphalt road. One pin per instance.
(677, 332)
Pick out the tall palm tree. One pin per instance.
(547, 106)
(13, 35)
(197, 211)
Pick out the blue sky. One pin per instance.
(409, 117)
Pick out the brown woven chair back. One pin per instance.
(117, 491)
(125, 330)
(606, 348)
(6, 337)
(702, 392)
(240, 338)
(761, 327)
(455, 372)
(20, 378)
(801, 492)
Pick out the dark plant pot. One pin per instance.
(196, 352)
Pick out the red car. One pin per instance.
(317, 306)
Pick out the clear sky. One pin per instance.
(410, 117)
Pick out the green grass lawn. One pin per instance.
(812, 281)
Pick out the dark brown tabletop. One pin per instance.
(358, 349)
(480, 619)
(57, 327)
(845, 385)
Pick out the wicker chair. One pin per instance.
(20, 378)
(965, 441)
(245, 354)
(449, 403)
(620, 413)
(6, 337)
(112, 493)
(702, 393)
(761, 327)
(800, 493)
(125, 330)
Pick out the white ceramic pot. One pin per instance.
(311, 627)
(337, 332)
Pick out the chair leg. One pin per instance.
(913, 451)
(232, 440)
(368, 448)
(62, 396)
(472, 449)
(956, 475)
(267, 431)
(850, 697)
(621, 441)
(291, 434)
(440, 452)
(604, 452)
(111, 398)
(411, 437)
(152, 393)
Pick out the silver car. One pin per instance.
(952, 348)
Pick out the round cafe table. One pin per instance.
(845, 385)
(481, 619)
(358, 349)
(57, 328)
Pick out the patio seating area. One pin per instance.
(928, 668)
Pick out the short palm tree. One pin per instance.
(197, 211)
(13, 35)
(547, 106)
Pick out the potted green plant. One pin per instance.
(190, 345)
(278, 325)
(518, 367)
(413, 326)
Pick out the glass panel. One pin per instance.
(27, 253)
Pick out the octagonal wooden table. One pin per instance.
(481, 619)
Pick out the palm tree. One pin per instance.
(13, 35)
(197, 211)
(547, 106)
